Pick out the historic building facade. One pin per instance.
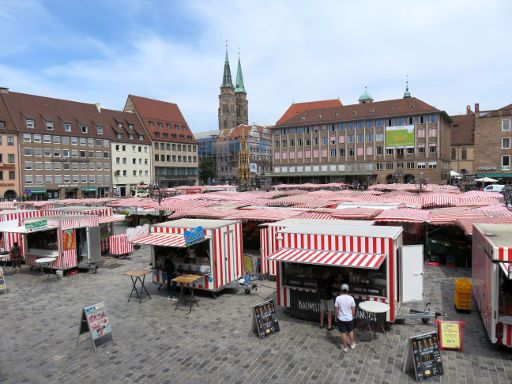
(493, 147)
(64, 147)
(366, 143)
(463, 142)
(10, 187)
(175, 159)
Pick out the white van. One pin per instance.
(494, 188)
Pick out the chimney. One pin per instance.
(477, 107)
(468, 110)
(4, 90)
(98, 107)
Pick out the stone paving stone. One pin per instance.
(213, 344)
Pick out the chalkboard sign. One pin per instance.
(265, 319)
(3, 284)
(95, 321)
(425, 356)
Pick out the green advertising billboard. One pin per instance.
(400, 136)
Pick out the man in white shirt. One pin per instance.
(344, 312)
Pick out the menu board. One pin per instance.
(265, 319)
(95, 321)
(3, 284)
(450, 334)
(425, 356)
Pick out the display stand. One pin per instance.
(94, 320)
(423, 356)
(264, 319)
(450, 334)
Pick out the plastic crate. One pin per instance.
(463, 303)
(463, 285)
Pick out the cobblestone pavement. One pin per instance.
(214, 344)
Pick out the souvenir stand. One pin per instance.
(270, 242)
(492, 279)
(73, 240)
(371, 259)
(217, 258)
(14, 217)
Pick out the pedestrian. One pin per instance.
(324, 284)
(345, 310)
(16, 257)
(171, 273)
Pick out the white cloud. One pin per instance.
(455, 53)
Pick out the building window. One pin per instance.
(432, 165)
(421, 165)
(99, 130)
(389, 166)
(65, 140)
(38, 166)
(454, 154)
(141, 137)
(157, 157)
(351, 152)
(2, 124)
(48, 179)
(37, 138)
(47, 139)
(505, 143)
(47, 166)
(432, 119)
(505, 125)
(28, 165)
(67, 127)
(27, 137)
(432, 132)
(379, 150)
(30, 123)
(58, 179)
(49, 125)
(28, 179)
(27, 151)
(390, 151)
(12, 175)
(379, 166)
(505, 162)
(74, 140)
(38, 152)
(421, 149)
(410, 165)
(57, 166)
(333, 152)
(432, 149)
(120, 135)
(10, 158)
(410, 150)
(84, 128)
(67, 179)
(463, 153)
(56, 139)
(82, 154)
(10, 140)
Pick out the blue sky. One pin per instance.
(455, 52)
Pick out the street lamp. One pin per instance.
(421, 182)
(157, 194)
(507, 196)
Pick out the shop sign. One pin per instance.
(95, 321)
(450, 334)
(194, 235)
(6, 184)
(424, 356)
(32, 226)
(265, 319)
(67, 186)
(487, 168)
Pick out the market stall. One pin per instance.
(492, 279)
(72, 240)
(270, 242)
(14, 217)
(371, 259)
(217, 258)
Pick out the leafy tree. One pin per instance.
(207, 170)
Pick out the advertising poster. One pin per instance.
(97, 319)
(68, 239)
(450, 333)
(265, 318)
(400, 136)
(426, 356)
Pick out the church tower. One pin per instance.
(242, 108)
(227, 100)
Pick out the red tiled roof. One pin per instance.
(297, 108)
(374, 110)
(41, 109)
(153, 111)
(463, 129)
(239, 131)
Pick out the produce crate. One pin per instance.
(462, 298)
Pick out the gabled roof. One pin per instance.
(507, 107)
(374, 110)
(297, 108)
(463, 129)
(242, 130)
(42, 109)
(152, 112)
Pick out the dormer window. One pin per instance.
(30, 123)
(67, 127)
(49, 125)
(2, 124)
(99, 130)
(141, 137)
(120, 125)
(130, 126)
(84, 128)
(119, 135)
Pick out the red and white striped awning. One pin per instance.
(111, 219)
(409, 215)
(340, 259)
(163, 240)
(504, 267)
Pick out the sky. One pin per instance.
(455, 53)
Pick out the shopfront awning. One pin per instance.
(89, 189)
(165, 240)
(505, 267)
(112, 219)
(35, 190)
(339, 259)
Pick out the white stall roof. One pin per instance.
(365, 204)
(346, 230)
(499, 235)
(192, 223)
(292, 222)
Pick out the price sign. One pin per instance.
(450, 334)
(95, 321)
(424, 356)
(265, 319)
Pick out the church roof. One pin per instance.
(239, 79)
(226, 79)
(365, 95)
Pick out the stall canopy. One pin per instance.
(505, 268)
(340, 259)
(165, 240)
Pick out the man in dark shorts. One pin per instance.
(16, 258)
(171, 273)
(324, 290)
(344, 312)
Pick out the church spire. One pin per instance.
(239, 78)
(407, 94)
(226, 80)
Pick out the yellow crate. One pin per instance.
(463, 285)
(463, 303)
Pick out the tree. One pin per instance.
(207, 170)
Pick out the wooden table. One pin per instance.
(186, 281)
(138, 275)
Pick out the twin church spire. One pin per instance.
(233, 104)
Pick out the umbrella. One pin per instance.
(454, 174)
(486, 180)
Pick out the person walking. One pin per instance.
(16, 257)
(324, 284)
(345, 310)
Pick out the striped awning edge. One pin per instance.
(340, 259)
(504, 267)
(164, 240)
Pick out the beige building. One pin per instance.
(370, 142)
(462, 152)
(493, 143)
